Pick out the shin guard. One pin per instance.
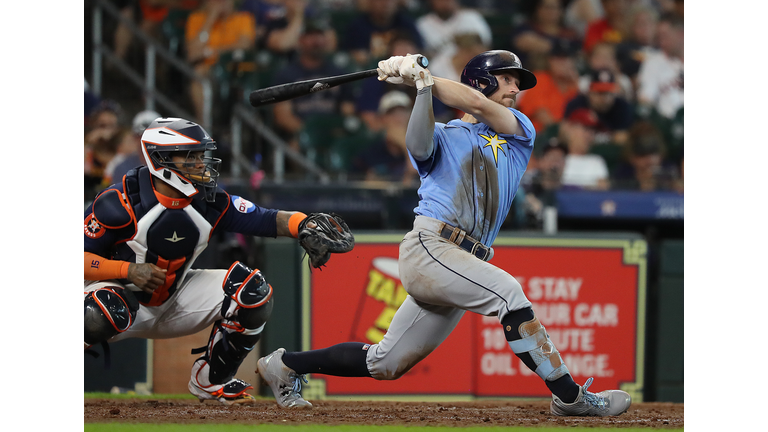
(246, 308)
(529, 340)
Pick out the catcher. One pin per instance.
(143, 235)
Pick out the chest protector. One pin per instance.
(169, 237)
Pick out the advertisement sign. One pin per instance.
(621, 204)
(586, 298)
(588, 293)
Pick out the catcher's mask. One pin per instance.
(483, 67)
(165, 138)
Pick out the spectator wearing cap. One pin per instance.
(645, 167)
(582, 169)
(129, 150)
(312, 61)
(555, 87)
(386, 158)
(603, 56)
(615, 114)
(371, 90)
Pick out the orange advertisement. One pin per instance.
(589, 294)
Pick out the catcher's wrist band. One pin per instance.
(293, 223)
(100, 268)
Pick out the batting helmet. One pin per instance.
(483, 67)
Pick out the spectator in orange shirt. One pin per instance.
(148, 15)
(217, 27)
(610, 28)
(545, 103)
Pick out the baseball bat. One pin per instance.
(283, 92)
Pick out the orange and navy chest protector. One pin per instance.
(131, 222)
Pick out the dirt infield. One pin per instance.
(478, 413)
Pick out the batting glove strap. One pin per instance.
(412, 71)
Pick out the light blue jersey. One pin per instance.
(473, 174)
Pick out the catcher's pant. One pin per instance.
(443, 281)
(195, 306)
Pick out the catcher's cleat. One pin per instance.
(605, 403)
(230, 393)
(285, 383)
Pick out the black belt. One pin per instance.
(460, 238)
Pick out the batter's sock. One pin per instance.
(564, 387)
(345, 359)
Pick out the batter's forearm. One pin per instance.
(421, 126)
(459, 96)
(474, 103)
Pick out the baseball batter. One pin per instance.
(470, 170)
(142, 237)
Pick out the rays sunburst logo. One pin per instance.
(496, 144)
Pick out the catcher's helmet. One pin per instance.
(483, 67)
(166, 136)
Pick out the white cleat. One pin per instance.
(605, 403)
(284, 382)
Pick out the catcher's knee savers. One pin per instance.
(535, 341)
(248, 298)
(108, 311)
(246, 308)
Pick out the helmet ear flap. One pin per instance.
(491, 85)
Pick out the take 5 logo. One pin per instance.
(242, 205)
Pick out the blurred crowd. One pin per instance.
(608, 106)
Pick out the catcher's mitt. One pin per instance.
(330, 235)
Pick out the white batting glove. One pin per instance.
(389, 70)
(412, 71)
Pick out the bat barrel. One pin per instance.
(283, 92)
(288, 91)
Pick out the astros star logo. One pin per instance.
(175, 238)
(495, 142)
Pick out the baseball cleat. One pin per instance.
(605, 403)
(229, 393)
(284, 382)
